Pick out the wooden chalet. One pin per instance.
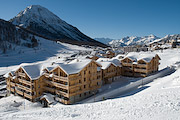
(68, 82)
(110, 69)
(139, 65)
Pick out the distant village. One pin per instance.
(78, 78)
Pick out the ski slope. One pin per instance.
(157, 100)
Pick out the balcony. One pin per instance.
(59, 85)
(141, 65)
(110, 74)
(127, 64)
(19, 92)
(25, 81)
(28, 96)
(46, 75)
(62, 100)
(127, 69)
(75, 78)
(52, 90)
(140, 70)
(12, 89)
(96, 80)
(65, 79)
(62, 93)
(75, 85)
(75, 92)
(12, 84)
(22, 74)
(23, 87)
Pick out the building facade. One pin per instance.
(68, 87)
(139, 66)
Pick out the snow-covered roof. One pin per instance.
(115, 61)
(105, 64)
(119, 56)
(49, 68)
(103, 59)
(74, 66)
(134, 56)
(48, 97)
(33, 71)
(10, 72)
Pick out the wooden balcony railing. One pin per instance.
(75, 85)
(127, 64)
(22, 74)
(75, 78)
(12, 89)
(61, 78)
(12, 84)
(23, 87)
(62, 100)
(140, 70)
(25, 81)
(94, 80)
(127, 68)
(141, 65)
(75, 92)
(61, 93)
(19, 92)
(28, 96)
(59, 85)
(52, 90)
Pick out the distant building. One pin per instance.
(139, 65)
(135, 49)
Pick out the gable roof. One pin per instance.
(134, 56)
(114, 61)
(74, 66)
(105, 65)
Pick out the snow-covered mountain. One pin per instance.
(40, 20)
(12, 36)
(104, 40)
(133, 40)
(167, 38)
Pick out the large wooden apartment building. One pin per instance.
(74, 81)
(110, 69)
(139, 64)
(70, 82)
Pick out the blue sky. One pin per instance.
(108, 18)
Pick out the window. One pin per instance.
(84, 94)
(84, 86)
(79, 95)
(97, 83)
(84, 79)
(79, 81)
